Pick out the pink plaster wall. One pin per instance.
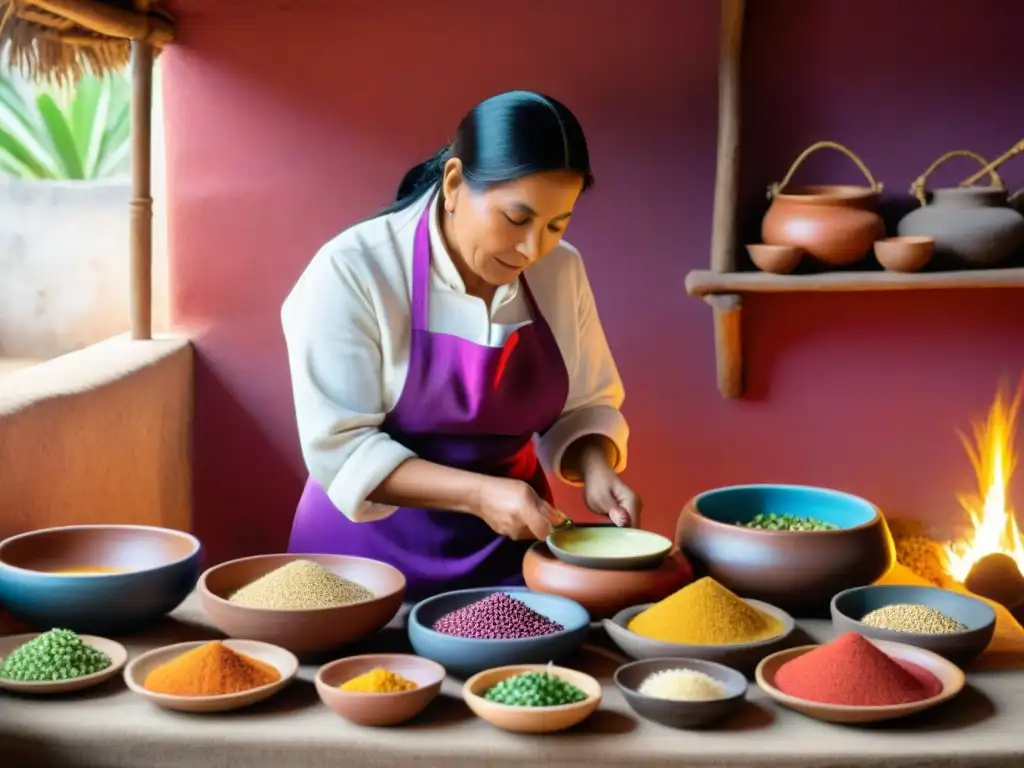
(287, 122)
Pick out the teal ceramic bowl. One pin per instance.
(798, 571)
(97, 579)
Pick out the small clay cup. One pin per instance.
(531, 719)
(777, 259)
(379, 709)
(904, 254)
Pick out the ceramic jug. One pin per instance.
(835, 225)
(972, 226)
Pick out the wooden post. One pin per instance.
(727, 308)
(141, 206)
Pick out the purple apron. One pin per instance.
(466, 406)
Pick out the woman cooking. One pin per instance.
(429, 345)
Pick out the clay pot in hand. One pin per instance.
(835, 224)
(972, 226)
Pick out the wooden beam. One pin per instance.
(702, 283)
(723, 228)
(141, 206)
(110, 21)
(727, 310)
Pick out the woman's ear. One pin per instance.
(451, 183)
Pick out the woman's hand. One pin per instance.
(605, 492)
(513, 509)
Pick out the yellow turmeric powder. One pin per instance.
(704, 613)
(378, 680)
(212, 669)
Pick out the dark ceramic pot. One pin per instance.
(799, 571)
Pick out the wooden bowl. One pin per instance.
(741, 656)
(150, 571)
(799, 571)
(778, 259)
(138, 670)
(604, 592)
(681, 714)
(114, 651)
(379, 709)
(466, 656)
(949, 675)
(302, 632)
(851, 605)
(608, 547)
(904, 254)
(531, 719)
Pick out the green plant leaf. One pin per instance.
(15, 152)
(60, 136)
(86, 116)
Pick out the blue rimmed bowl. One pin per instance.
(97, 579)
(799, 571)
(464, 657)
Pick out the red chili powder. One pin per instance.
(852, 671)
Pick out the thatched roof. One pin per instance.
(64, 39)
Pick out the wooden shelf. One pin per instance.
(704, 282)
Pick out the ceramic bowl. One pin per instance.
(604, 592)
(303, 632)
(608, 547)
(160, 567)
(949, 675)
(138, 670)
(681, 714)
(379, 709)
(114, 651)
(778, 259)
(742, 656)
(531, 719)
(851, 605)
(464, 657)
(904, 254)
(796, 570)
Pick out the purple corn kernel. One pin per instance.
(496, 617)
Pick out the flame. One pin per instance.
(993, 524)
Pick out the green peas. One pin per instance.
(534, 689)
(774, 522)
(55, 655)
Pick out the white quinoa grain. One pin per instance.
(300, 585)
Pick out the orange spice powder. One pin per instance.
(210, 670)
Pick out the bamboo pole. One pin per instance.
(723, 230)
(110, 21)
(141, 206)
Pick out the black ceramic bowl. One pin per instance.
(851, 605)
(681, 714)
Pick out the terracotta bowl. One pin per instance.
(904, 254)
(465, 656)
(138, 670)
(379, 709)
(681, 714)
(151, 571)
(796, 570)
(531, 719)
(741, 656)
(116, 652)
(778, 259)
(949, 675)
(302, 632)
(851, 605)
(604, 592)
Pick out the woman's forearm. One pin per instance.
(592, 451)
(426, 485)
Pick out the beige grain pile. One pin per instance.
(300, 585)
(681, 685)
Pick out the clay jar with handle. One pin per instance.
(972, 226)
(835, 225)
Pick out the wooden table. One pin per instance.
(111, 728)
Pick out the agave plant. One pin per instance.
(77, 131)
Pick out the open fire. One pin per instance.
(994, 538)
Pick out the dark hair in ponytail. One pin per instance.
(504, 138)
